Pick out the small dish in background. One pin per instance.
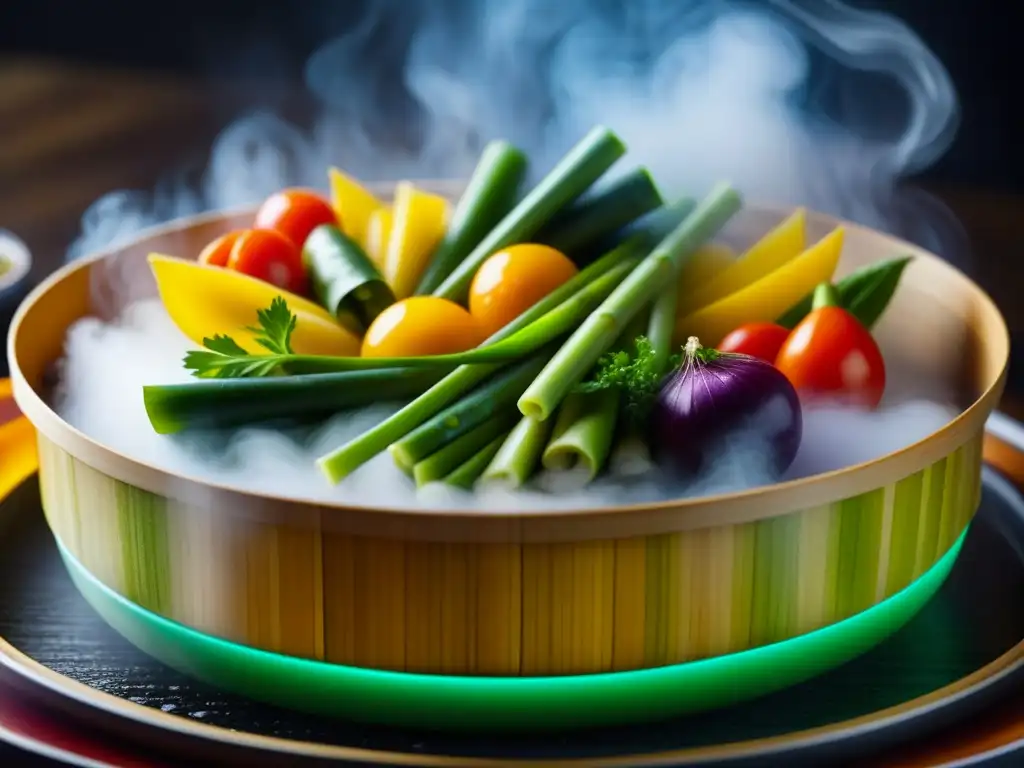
(15, 264)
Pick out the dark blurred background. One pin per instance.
(102, 95)
(233, 41)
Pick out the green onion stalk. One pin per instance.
(586, 291)
(603, 326)
(451, 457)
(519, 455)
(583, 433)
(598, 216)
(467, 473)
(482, 404)
(489, 196)
(223, 403)
(571, 177)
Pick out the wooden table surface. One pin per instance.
(69, 134)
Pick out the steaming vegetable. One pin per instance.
(865, 293)
(767, 298)
(353, 205)
(569, 179)
(271, 257)
(587, 290)
(206, 301)
(583, 432)
(713, 398)
(431, 322)
(782, 244)
(420, 326)
(601, 214)
(344, 279)
(457, 452)
(489, 196)
(295, 213)
(470, 470)
(378, 232)
(831, 354)
(480, 405)
(216, 254)
(519, 455)
(513, 280)
(418, 223)
(760, 340)
(225, 403)
(601, 329)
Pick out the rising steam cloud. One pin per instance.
(803, 102)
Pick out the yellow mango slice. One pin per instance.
(419, 220)
(768, 298)
(353, 203)
(203, 301)
(378, 232)
(709, 261)
(784, 242)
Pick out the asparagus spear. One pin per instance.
(489, 196)
(515, 461)
(452, 456)
(587, 288)
(584, 165)
(599, 331)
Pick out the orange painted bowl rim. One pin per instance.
(557, 524)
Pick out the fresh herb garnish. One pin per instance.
(224, 358)
(635, 376)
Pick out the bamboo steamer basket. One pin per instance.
(521, 594)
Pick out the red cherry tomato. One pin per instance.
(270, 256)
(831, 355)
(217, 252)
(295, 213)
(762, 340)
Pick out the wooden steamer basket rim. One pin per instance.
(549, 525)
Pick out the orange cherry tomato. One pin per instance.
(270, 256)
(830, 354)
(217, 252)
(514, 279)
(419, 326)
(295, 213)
(762, 340)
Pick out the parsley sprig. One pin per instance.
(635, 376)
(224, 358)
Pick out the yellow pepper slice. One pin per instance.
(419, 220)
(786, 241)
(204, 301)
(768, 298)
(353, 203)
(378, 232)
(709, 261)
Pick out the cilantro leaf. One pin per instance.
(224, 358)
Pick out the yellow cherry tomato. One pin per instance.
(420, 326)
(514, 279)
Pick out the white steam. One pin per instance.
(809, 103)
(797, 101)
